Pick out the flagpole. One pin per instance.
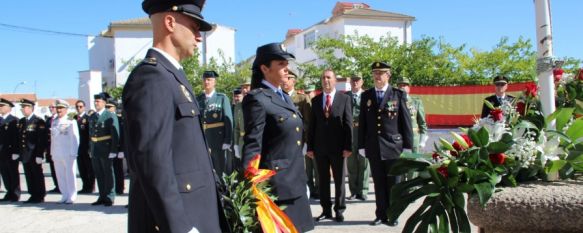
(544, 62)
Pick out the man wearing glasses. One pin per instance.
(500, 97)
(83, 159)
(49, 158)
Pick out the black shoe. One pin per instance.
(339, 217)
(4, 199)
(361, 197)
(98, 202)
(55, 190)
(315, 196)
(84, 191)
(378, 221)
(322, 217)
(392, 223)
(352, 197)
(108, 203)
(33, 201)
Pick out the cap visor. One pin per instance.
(204, 25)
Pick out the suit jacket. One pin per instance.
(106, 124)
(385, 128)
(494, 101)
(8, 137)
(332, 135)
(273, 128)
(32, 138)
(173, 184)
(83, 124)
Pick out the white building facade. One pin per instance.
(114, 53)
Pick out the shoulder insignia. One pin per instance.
(150, 61)
(255, 91)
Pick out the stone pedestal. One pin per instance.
(535, 207)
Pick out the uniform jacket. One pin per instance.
(173, 186)
(106, 124)
(385, 128)
(217, 109)
(418, 122)
(8, 137)
(355, 114)
(83, 124)
(64, 138)
(332, 135)
(494, 100)
(274, 130)
(239, 129)
(32, 138)
(304, 105)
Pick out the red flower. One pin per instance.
(497, 114)
(558, 74)
(580, 75)
(521, 108)
(498, 158)
(531, 90)
(443, 171)
(454, 153)
(435, 156)
(458, 147)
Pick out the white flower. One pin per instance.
(524, 150)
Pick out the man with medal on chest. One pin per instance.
(217, 120)
(384, 131)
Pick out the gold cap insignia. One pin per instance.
(378, 64)
(282, 46)
(174, 8)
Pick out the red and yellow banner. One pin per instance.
(457, 105)
(271, 217)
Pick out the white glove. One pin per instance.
(423, 140)
(194, 230)
(226, 146)
(237, 154)
(15, 156)
(112, 155)
(39, 160)
(120, 155)
(361, 152)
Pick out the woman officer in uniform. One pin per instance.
(273, 128)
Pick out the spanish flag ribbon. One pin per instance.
(272, 219)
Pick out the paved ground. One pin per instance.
(51, 217)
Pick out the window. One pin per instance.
(309, 39)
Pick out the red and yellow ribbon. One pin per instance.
(272, 219)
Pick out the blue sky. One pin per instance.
(49, 63)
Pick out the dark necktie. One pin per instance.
(328, 106)
(379, 96)
(280, 93)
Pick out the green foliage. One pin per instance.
(427, 61)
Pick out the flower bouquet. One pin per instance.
(570, 92)
(508, 147)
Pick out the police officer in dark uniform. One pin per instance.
(217, 121)
(119, 173)
(49, 158)
(500, 97)
(173, 188)
(33, 142)
(83, 160)
(8, 147)
(274, 128)
(104, 136)
(384, 130)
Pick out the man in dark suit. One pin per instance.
(384, 130)
(330, 142)
(83, 160)
(173, 187)
(33, 142)
(9, 148)
(500, 97)
(49, 158)
(273, 128)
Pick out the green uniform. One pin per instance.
(358, 169)
(218, 128)
(104, 139)
(304, 105)
(239, 124)
(418, 122)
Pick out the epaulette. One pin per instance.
(150, 61)
(255, 91)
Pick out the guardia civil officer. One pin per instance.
(104, 133)
(33, 141)
(384, 130)
(217, 121)
(9, 149)
(238, 127)
(274, 128)
(417, 111)
(172, 186)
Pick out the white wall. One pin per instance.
(130, 48)
(89, 85)
(102, 56)
(220, 39)
(378, 28)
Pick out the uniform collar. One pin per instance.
(4, 116)
(172, 60)
(358, 92)
(268, 84)
(384, 89)
(29, 117)
(101, 112)
(209, 95)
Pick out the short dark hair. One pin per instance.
(80, 101)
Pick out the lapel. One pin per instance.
(179, 75)
(319, 102)
(276, 99)
(336, 102)
(386, 97)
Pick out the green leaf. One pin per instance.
(484, 136)
(562, 115)
(474, 137)
(465, 188)
(403, 165)
(488, 104)
(443, 223)
(498, 147)
(416, 217)
(575, 131)
(463, 221)
(445, 144)
(460, 140)
(484, 191)
(554, 166)
(507, 138)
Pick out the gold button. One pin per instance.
(294, 116)
(379, 132)
(379, 125)
(188, 187)
(297, 129)
(276, 168)
(281, 119)
(299, 142)
(379, 117)
(192, 112)
(157, 228)
(379, 110)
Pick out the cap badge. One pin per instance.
(174, 8)
(378, 64)
(282, 46)
(185, 92)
